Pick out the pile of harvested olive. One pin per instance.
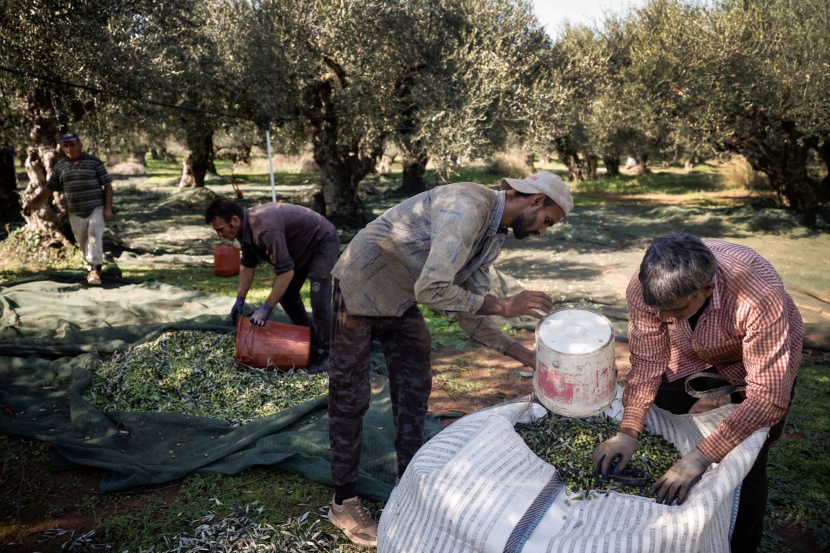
(567, 444)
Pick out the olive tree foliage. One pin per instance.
(186, 71)
(751, 77)
(436, 77)
(468, 80)
(581, 70)
(65, 60)
(262, 81)
(644, 125)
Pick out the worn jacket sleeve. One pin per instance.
(648, 340)
(482, 328)
(456, 219)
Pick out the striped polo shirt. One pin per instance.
(82, 182)
(751, 330)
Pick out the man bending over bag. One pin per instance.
(718, 307)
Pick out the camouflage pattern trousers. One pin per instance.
(406, 344)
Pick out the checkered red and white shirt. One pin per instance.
(751, 330)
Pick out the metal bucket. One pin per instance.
(575, 371)
(274, 346)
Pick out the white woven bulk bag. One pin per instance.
(477, 487)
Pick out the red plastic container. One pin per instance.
(274, 346)
(225, 260)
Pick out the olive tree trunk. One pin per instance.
(612, 165)
(414, 169)
(590, 167)
(569, 155)
(51, 220)
(341, 167)
(784, 161)
(9, 198)
(199, 141)
(824, 154)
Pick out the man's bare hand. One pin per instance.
(528, 302)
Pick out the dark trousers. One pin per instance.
(406, 347)
(318, 271)
(749, 523)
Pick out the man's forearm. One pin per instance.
(279, 287)
(523, 355)
(246, 279)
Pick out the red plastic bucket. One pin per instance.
(274, 346)
(225, 260)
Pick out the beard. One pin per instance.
(521, 223)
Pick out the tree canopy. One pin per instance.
(443, 80)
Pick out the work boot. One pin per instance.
(94, 278)
(355, 522)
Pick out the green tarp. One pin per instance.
(44, 319)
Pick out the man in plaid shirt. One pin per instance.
(709, 306)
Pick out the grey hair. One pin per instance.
(674, 268)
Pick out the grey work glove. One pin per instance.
(260, 316)
(679, 479)
(236, 310)
(618, 449)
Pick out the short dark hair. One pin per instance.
(225, 209)
(675, 267)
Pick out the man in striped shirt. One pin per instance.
(88, 190)
(719, 307)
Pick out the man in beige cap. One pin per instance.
(434, 249)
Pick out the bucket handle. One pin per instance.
(716, 392)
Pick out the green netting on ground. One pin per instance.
(46, 318)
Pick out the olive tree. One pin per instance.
(469, 81)
(64, 62)
(751, 77)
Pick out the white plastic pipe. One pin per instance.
(270, 161)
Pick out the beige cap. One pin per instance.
(546, 183)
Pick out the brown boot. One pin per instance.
(355, 522)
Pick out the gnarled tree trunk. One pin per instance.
(138, 154)
(785, 163)
(51, 219)
(341, 168)
(824, 154)
(568, 155)
(612, 165)
(9, 199)
(414, 169)
(590, 169)
(199, 140)
(641, 167)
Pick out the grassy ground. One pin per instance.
(148, 519)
